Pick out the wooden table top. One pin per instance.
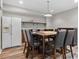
(45, 33)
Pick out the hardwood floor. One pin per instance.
(13, 53)
(17, 53)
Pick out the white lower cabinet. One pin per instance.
(11, 32)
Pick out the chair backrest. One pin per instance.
(48, 29)
(59, 41)
(38, 29)
(29, 37)
(24, 35)
(69, 37)
(75, 39)
(34, 30)
(67, 28)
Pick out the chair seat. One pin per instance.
(50, 43)
(36, 44)
(48, 50)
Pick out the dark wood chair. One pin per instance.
(58, 43)
(75, 39)
(31, 43)
(25, 40)
(68, 41)
(48, 29)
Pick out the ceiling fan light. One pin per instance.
(48, 15)
(75, 1)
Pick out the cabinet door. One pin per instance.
(6, 32)
(16, 31)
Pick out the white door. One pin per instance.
(16, 31)
(6, 32)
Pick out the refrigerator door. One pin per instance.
(16, 31)
(6, 32)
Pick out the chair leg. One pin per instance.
(71, 51)
(32, 52)
(27, 53)
(62, 50)
(24, 48)
(63, 53)
(54, 53)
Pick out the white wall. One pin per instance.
(26, 18)
(64, 19)
(25, 14)
(1, 4)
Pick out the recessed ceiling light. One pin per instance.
(20, 2)
(75, 1)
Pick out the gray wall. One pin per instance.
(64, 19)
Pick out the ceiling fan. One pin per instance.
(48, 14)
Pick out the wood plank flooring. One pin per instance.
(17, 53)
(12, 53)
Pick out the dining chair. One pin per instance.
(36, 37)
(58, 43)
(68, 41)
(25, 40)
(38, 29)
(48, 29)
(75, 39)
(31, 43)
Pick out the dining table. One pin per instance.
(44, 35)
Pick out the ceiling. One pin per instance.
(41, 5)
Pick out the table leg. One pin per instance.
(43, 47)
